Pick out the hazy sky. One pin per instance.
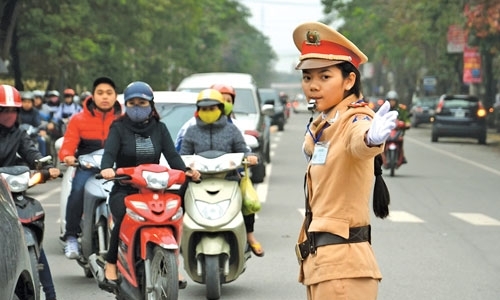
(277, 19)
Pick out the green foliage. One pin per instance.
(68, 43)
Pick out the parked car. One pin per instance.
(16, 277)
(422, 110)
(250, 115)
(271, 96)
(459, 116)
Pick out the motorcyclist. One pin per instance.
(403, 114)
(229, 96)
(28, 114)
(68, 108)
(213, 132)
(87, 131)
(13, 142)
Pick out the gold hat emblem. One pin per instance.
(312, 37)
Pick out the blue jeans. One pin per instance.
(46, 277)
(74, 207)
(42, 146)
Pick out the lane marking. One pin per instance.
(476, 219)
(403, 216)
(457, 157)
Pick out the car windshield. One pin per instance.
(429, 102)
(459, 103)
(174, 115)
(244, 102)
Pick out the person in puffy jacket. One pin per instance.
(87, 131)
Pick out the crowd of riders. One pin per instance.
(48, 112)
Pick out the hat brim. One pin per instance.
(101, 80)
(316, 63)
(138, 95)
(206, 103)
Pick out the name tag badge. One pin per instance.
(320, 153)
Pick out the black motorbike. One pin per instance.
(30, 211)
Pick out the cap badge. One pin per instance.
(312, 38)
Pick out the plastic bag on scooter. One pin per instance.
(251, 203)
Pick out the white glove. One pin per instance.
(382, 124)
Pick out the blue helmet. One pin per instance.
(138, 89)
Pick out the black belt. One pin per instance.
(318, 239)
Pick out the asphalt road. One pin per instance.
(440, 241)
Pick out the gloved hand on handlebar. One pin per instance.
(382, 124)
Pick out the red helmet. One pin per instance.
(9, 96)
(224, 89)
(69, 92)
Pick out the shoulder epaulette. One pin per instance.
(360, 103)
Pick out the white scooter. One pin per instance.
(94, 238)
(214, 241)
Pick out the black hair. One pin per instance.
(381, 196)
(346, 68)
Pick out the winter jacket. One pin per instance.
(130, 144)
(220, 135)
(87, 130)
(339, 192)
(65, 111)
(31, 117)
(16, 141)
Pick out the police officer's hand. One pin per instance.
(382, 124)
(70, 160)
(54, 172)
(108, 173)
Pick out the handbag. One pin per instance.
(250, 198)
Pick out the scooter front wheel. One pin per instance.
(163, 276)
(212, 277)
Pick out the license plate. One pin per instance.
(460, 113)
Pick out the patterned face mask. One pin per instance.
(138, 113)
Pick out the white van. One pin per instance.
(247, 109)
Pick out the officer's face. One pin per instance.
(326, 85)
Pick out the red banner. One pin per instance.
(472, 65)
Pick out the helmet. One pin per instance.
(38, 93)
(392, 95)
(53, 93)
(224, 89)
(69, 92)
(84, 95)
(209, 97)
(138, 89)
(9, 96)
(27, 95)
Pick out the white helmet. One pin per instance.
(392, 95)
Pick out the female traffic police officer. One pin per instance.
(334, 250)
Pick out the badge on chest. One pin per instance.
(320, 153)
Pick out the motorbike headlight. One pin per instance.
(17, 183)
(156, 181)
(212, 211)
(135, 216)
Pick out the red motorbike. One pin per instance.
(149, 235)
(393, 156)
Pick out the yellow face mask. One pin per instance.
(228, 108)
(209, 116)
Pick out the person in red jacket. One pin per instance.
(86, 132)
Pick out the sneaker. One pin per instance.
(71, 250)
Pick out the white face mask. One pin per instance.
(8, 119)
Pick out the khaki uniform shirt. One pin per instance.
(339, 192)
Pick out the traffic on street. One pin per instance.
(440, 240)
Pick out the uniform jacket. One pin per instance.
(87, 130)
(339, 192)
